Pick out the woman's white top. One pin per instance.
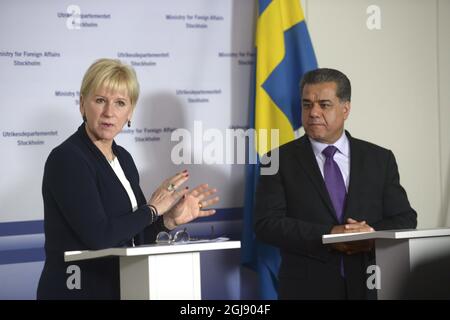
(115, 165)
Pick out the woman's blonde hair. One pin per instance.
(113, 75)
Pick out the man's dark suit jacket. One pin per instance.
(293, 210)
(87, 208)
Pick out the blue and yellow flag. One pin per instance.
(283, 54)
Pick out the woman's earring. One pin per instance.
(129, 123)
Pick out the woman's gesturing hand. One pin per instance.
(167, 195)
(191, 206)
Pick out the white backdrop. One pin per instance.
(193, 61)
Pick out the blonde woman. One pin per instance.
(92, 198)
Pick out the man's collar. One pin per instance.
(342, 144)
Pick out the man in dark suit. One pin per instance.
(328, 182)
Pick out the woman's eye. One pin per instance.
(121, 103)
(99, 100)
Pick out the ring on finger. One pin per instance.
(200, 205)
(171, 187)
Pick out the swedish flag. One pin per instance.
(283, 54)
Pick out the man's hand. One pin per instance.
(354, 246)
(352, 226)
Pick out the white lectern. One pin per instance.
(398, 252)
(158, 272)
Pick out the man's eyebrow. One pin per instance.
(320, 101)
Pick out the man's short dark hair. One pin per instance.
(343, 87)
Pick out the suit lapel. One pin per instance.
(308, 162)
(356, 163)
